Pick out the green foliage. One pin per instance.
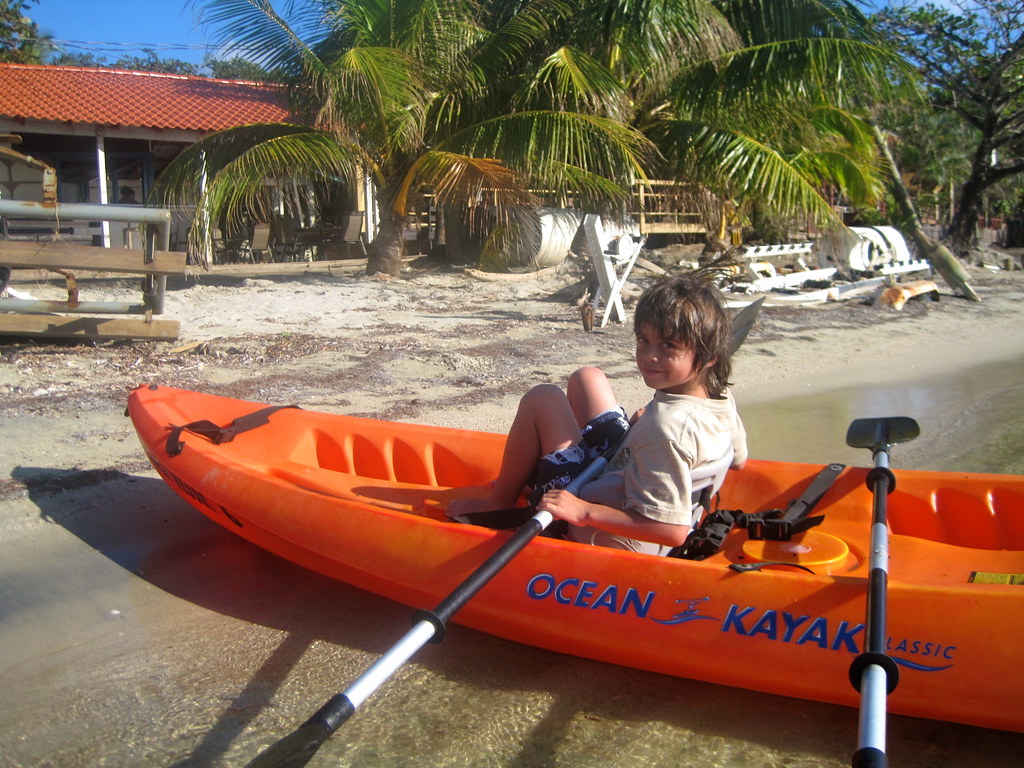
(150, 62)
(83, 60)
(760, 101)
(971, 58)
(20, 41)
(235, 68)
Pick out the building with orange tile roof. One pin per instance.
(80, 101)
(124, 126)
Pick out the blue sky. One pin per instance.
(103, 27)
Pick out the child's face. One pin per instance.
(668, 364)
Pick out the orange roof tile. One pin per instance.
(137, 99)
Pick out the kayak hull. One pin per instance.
(362, 501)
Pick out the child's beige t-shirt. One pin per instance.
(650, 474)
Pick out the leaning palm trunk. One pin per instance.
(940, 256)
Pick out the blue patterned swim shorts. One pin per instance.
(558, 468)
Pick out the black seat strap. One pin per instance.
(217, 434)
(707, 538)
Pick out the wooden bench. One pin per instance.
(28, 317)
(19, 254)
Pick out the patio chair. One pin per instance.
(352, 230)
(288, 244)
(612, 266)
(258, 249)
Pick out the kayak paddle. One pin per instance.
(873, 673)
(742, 323)
(298, 747)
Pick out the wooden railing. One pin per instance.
(28, 316)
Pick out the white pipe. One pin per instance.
(101, 164)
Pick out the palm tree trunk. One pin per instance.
(384, 253)
(945, 263)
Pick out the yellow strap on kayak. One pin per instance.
(981, 577)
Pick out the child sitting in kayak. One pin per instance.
(642, 500)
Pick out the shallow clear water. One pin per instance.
(181, 645)
(971, 420)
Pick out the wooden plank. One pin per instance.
(101, 328)
(670, 228)
(28, 255)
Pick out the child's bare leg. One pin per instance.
(590, 394)
(544, 422)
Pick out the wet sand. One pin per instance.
(136, 632)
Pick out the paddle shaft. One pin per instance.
(299, 747)
(874, 666)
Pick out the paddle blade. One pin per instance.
(742, 323)
(294, 750)
(297, 748)
(879, 434)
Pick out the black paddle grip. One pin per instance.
(440, 627)
(476, 581)
(869, 757)
(865, 660)
(876, 474)
(334, 713)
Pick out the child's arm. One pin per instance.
(633, 525)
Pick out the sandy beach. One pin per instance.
(134, 632)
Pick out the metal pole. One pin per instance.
(158, 232)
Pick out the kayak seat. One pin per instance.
(706, 480)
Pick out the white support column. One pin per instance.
(206, 249)
(369, 202)
(101, 167)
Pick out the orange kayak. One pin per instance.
(362, 501)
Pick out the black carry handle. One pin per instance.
(217, 434)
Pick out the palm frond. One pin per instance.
(254, 30)
(570, 79)
(463, 179)
(228, 175)
(531, 141)
(845, 72)
(741, 167)
(181, 182)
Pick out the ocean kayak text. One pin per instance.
(745, 620)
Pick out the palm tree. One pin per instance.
(945, 263)
(416, 94)
(752, 98)
(759, 102)
(779, 116)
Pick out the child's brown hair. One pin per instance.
(689, 310)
